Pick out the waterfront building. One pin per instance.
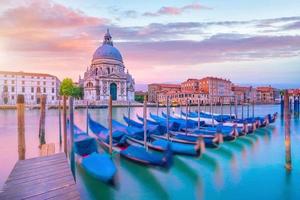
(107, 75)
(244, 94)
(217, 88)
(155, 90)
(190, 86)
(267, 94)
(31, 85)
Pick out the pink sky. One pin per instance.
(48, 37)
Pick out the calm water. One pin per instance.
(251, 167)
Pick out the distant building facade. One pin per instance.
(244, 94)
(107, 75)
(211, 89)
(218, 89)
(31, 85)
(266, 94)
(155, 90)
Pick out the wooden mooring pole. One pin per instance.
(72, 153)
(65, 124)
(42, 120)
(21, 127)
(287, 118)
(110, 124)
(59, 121)
(87, 117)
(168, 113)
(198, 113)
(145, 120)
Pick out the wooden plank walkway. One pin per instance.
(47, 177)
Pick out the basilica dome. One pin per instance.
(107, 50)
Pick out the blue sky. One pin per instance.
(249, 42)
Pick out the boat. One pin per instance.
(160, 142)
(98, 165)
(242, 128)
(210, 140)
(135, 153)
(228, 134)
(151, 128)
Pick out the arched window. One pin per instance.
(108, 70)
(96, 71)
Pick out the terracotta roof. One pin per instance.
(25, 74)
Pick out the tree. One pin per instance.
(68, 88)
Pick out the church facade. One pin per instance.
(107, 75)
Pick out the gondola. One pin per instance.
(210, 140)
(131, 152)
(97, 165)
(228, 134)
(242, 129)
(160, 142)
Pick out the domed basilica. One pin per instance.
(106, 75)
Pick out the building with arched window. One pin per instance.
(106, 75)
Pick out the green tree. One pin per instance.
(68, 88)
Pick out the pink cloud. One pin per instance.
(169, 10)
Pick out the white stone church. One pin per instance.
(106, 75)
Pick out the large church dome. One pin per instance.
(107, 50)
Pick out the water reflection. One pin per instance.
(195, 178)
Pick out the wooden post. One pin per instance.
(235, 107)
(282, 105)
(59, 121)
(65, 124)
(230, 107)
(128, 110)
(253, 107)
(211, 112)
(145, 121)
(110, 123)
(198, 113)
(87, 116)
(248, 108)
(42, 120)
(287, 118)
(222, 99)
(157, 107)
(21, 127)
(186, 115)
(168, 113)
(242, 111)
(180, 109)
(72, 153)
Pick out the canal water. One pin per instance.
(252, 167)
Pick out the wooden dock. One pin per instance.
(47, 177)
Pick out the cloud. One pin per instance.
(218, 48)
(169, 10)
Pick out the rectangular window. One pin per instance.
(32, 89)
(13, 89)
(23, 89)
(32, 97)
(38, 83)
(44, 82)
(52, 90)
(12, 97)
(23, 82)
(5, 81)
(52, 98)
(12, 82)
(44, 90)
